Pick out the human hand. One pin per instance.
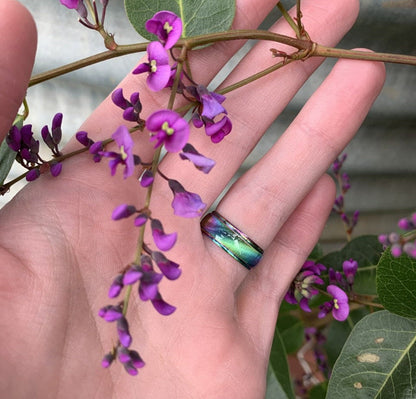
(60, 249)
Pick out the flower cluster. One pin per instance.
(168, 28)
(344, 185)
(303, 289)
(405, 243)
(21, 141)
(171, 131)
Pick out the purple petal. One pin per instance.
(188, 205)
(337, 293)
(141, 68)
(123, 354)
(82, 137)
(56, 168)
(202, 163)
(159, 79)
(169, 269)
(123, 211)
(218, 130)
(140, 220)
(71, 4)
(162, 307)
(167, 26)
(304, 305)
(123, 332)
(107, 360)
(132, 275)
(116, 287)
(163, 241)
(33, 174)
(129, 367)
(136, 360)
(341, 311)
(118, 99)
(147, 178)
(110, 313)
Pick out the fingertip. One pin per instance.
(18, 40)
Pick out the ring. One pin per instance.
(231, 240)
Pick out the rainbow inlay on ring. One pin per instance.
(231, 240)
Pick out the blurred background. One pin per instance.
(381, 158)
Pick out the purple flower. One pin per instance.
(56, 168)
(33, 174)
(140, 220)
(217, 131)
(157, 67)
(148, 288)
(167, 26)
(131, 108)
(123, 211)
(350, 269)
(163, 241)
(170, 129)
(132, 275)
(302, 288)
(210, 102)
(161, 306)
(107, 360)
(111, 313)
(339, 305)
(129, 367)
(185, 204)
(169, 269)
(125, 142)
(123, 332)
(147, 178)
(202, 163)
(116, 287)
(83, 138)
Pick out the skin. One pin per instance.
(60, 250)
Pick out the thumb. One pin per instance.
(17, 54)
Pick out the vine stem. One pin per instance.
(312, 48)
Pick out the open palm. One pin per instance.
(60, 249)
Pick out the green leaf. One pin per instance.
(279, 368)
(378, 360)
(366, 250)
(338, 333)
(318, 391)
(291, 330)
(396, 284)
(7, 155)
(273, 389)
(198, 17)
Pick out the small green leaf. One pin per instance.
(396, 284)
(273, 389)
(378, 360)
(279, 367)
(7, 155)
(198, 17)
(291, 330)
